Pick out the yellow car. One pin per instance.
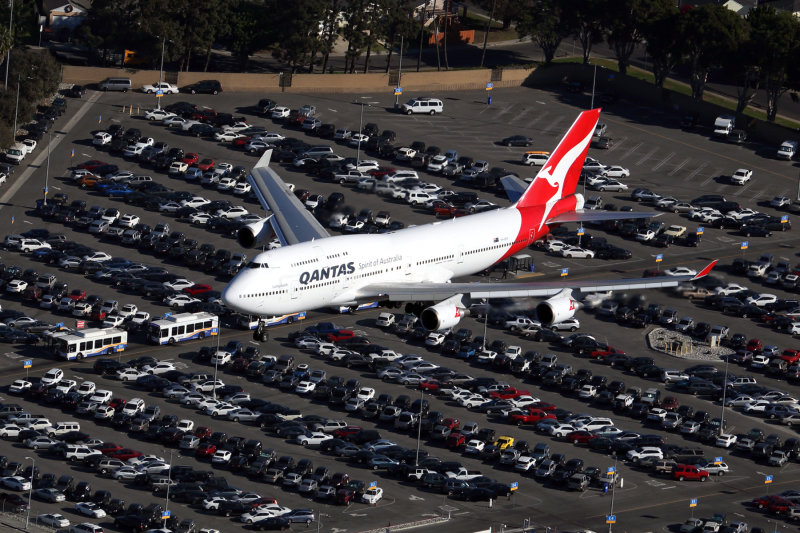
(504, 442)
(675, 231)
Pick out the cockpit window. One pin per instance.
(253, 264)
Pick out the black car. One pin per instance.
(204, 86)
(517, 140)
(273, 523)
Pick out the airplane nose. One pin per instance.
(230, 295)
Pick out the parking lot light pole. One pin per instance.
(361, 126)
(724, 391)
(47, 168)
(161, 70)
(419, 426)
(319, 520)
(169, 480)
(30, 491)
(216, 368)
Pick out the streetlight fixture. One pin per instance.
(361, 126)
(319, 519)
(30, 490)
(47, 168)
(419, 425)
(161, 71)
(216, 368)
(169, 481)
(724, 392)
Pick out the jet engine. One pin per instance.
(255, 234)
(557, 309)
(445, 314)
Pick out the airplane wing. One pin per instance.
(584, 215)
(290, 219)
(476, 290)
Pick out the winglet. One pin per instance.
(703, 273)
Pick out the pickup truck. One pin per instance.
(520, 322)
(462, 474)
(531, 417)
(417, 473)
(509, 394)
(349, 176)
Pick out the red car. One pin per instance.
(109, 448)
(77, 295)
(202, 432)
(431, 385)
(205, 450)
(203, 114)
(345, 496)
(197, 288)
(790, 356)
(91, 165)
(191, 158)
(455, 440)
(451, 423)
(240, 142)
(762, 502)
(509, 393)
(754, 345)
(381, 171)
(341, 335)
(670, 403)
(443, 210)
(98, 314)
(117, 403)
(206, 164)
(124, 454)
(602, 353)
(544, 406)
(580, 437)
(531, 417)
(346, 431)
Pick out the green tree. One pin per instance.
(111, 26)
(544, 22)
(624, 21)
(251, 26)
(355, 32)
(716, 32)
(774, 41)
(666, 39)
(331, 30)
(297, 26)
(398, 22)
(582, 17)
(506, 11)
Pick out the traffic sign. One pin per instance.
(60, 325)
(159, 93)
(80, 324)
(580, 231)
(784, 219)
(515, 485)
(611, 519)
(717, 460)
(167, 315)
(46, 190)
(659, 258)
(398, 90)
(611, 470)
(693, 502)
(489, 86)
(372, 484)
(700, 230)
(767, 480)
(744, 245)
(564, 272)
(27, 363)
(165, 515)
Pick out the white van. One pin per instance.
(400, 175)
(418, 197)
(723, 126)
(787, 150)
(596, 423)
(116, 84)
(16, 154)
(427, 105)
(535, 158)
(318, 151)
(61, 428)
(133, 407)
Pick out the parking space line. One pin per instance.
(520, 115)
(713, 175)
(678, 168)
(649, 154)
(554, 126)
(505, 110)
(664, 161)
(630, 152)
(538, 118)
(695, 172)
(617, 143)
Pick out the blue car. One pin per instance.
(381, 462)
(117, 191)
(466, 352)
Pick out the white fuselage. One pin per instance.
(335, 270)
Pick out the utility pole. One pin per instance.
(11, 35)
(486, 33)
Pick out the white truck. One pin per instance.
(462, 474)
(723, 125)
(787, 150)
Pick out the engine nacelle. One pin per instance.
(255, 234)
(444, 315)
(557, 309)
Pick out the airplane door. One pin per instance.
(460, 254)
(531, 235)
(409, 262)
(294, 289)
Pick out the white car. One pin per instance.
(53, 376)
(616, 171)
(612, 185)
(645, 452)
(227, 136)
(9, 430)
(729, 289)
(15, 483)
(201, 219)
(174, 122)
(576, 251)
(90, 509)
(221, 457)
(166, 88)
(233, 212)
(372, 495)
(741, 176)
(128, 221)
(242, 188)
(53, 520)
(357, 139)
(158, 114)
(125, 473)
(680, 271)
(780, 201)
(280, 112)
(269, 137)
(675, 231)
(129, 374)
(725, 440)
(19, 386)
(312, 438)
(762, 299)
(159, 368)
(180, 300)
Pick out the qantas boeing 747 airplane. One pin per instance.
(313, 269)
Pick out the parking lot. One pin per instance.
(649, 143)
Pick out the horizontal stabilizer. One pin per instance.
(514, 187)
(584, 215)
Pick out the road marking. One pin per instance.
(12, 355)
(520, 115)
(505, 110)
(726, 240)
(630, 152)
(423, 514)
(332, 110)
(27, 222)
(462, 513)
(649, 154)
(680, 166)
(664, 161)
(539, 117)
(337, 530)
(713, 175)
(555, 125)
(617, 143)
(540, 102)
(358, 514)
(695, 172)
(415, 498)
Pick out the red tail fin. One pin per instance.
(559, 175)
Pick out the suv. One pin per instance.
(204, 86)
(681, 472)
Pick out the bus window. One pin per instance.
(83, 346)
(116, 340)
(207, 324)
(174, 330)
(189, 328)
(164, 333)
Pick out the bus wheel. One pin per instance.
(79, 356)
(264, 337)
(171, 341)
(202, 334)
